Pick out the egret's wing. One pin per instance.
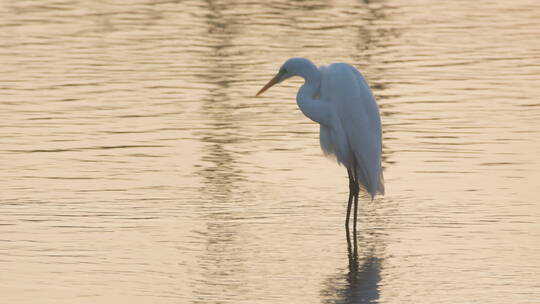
(356, 108)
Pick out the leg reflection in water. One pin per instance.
(361, 282)
(364, 275)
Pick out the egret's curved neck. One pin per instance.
(308, 97)
(311, 87)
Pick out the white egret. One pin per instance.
(340, 100)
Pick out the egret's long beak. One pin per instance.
(272, 82)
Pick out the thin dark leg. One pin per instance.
(349, 246)
(355, 214)
(355, 208)
(351, 194)
(352, 255)
(356, 192)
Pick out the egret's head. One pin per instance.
(291, 67)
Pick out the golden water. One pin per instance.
(136, 165)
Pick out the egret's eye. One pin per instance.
(283, 71)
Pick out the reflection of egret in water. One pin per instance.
(361, 282)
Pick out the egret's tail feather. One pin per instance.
(380, 187)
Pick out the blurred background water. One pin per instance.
(136, 164)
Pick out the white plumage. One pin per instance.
(356, 117)
(339, 98)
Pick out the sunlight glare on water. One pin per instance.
(138, 166)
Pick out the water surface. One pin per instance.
(138, 166)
